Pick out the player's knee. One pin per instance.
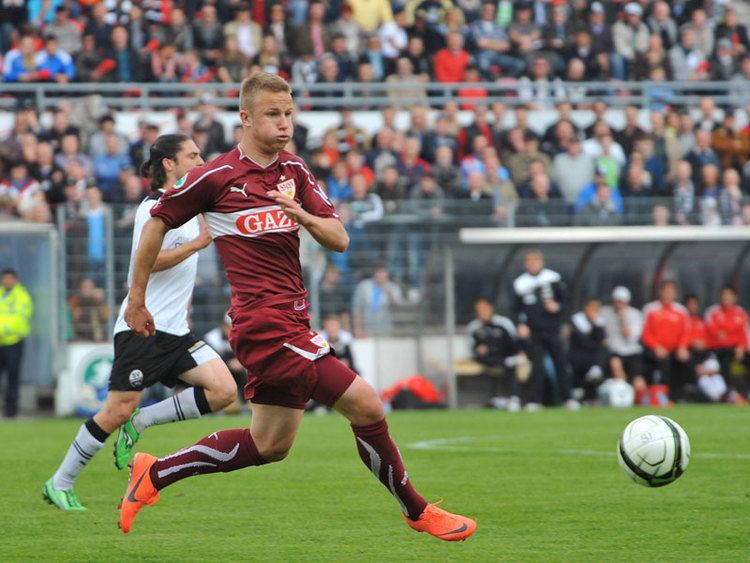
(118, 413)
(274, 451)
(370, 410)
(222, 395)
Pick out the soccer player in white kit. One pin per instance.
(174, 354)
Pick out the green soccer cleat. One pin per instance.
(127, 436)
(62, 499)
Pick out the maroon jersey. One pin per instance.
(257, 243)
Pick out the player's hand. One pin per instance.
(661, 352)
(291, 208)
(739, 353)
(140, 320)
(551, 306)
(524, 332)
(482, 350)
(204, 237)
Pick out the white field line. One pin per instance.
(463, 444)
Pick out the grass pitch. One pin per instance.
(543, 487)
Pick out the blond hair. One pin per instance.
(261, 82)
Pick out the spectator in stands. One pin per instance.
(602, 42)
(660, 215)
(724, 65)
(572, 170)
(208, 33)
(732, 146)
(590, 193)
(207, 121)
(543, 209)
(97, 141)
(727, 325)
(493, 46)
(372, 303)
(48, 174)
(94, 217)
(539, 90)
(539, 303)
(683, 194)
(404, 75)
(334, 295)
(627, 136)
(70, 151)
(415, 52)
(703, 30)
(340, 339)
(391, 188)
(447, 175)
(232, 65)
(89, 312)
(248, 33)
(731, 29)
(666, 340)
(708, 118)
(348, 26)
(370, 15)
(21, 63)
(700, 155)
(630, 35)
(687, 61)
(661, 24)
(107, 168)
(451, 61)
(602, 211)
(588, 353)
(374, 57)
(279, 28)
(519, 163)
(623, 325)
(16, 309)
(98, 27)
(68, 32)
(525, 35)
(393, 36)
(494, 344)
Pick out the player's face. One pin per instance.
(269, 122)
(187, 158)
(534, 263)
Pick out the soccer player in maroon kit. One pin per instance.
(254, 199)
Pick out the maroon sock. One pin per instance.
(223, 451)
(380, 454)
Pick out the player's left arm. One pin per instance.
(328, 231)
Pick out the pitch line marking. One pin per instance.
(463, 444)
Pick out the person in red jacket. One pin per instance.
(451, 61)
(727, 325)
(666, 339)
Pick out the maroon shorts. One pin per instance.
(287, 363)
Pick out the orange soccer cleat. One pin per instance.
(442, 524)
(140, 491)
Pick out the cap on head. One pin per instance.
(621, 293)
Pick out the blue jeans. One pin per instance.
(511, 66)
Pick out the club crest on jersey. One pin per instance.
(287, 187)
(180, 183)
(320, 342)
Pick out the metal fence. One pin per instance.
(357, 95)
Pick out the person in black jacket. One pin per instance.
(494, 344)
(540, 299)
(587, 354)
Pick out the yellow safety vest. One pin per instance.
(16, 308)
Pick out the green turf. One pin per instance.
(543, 487)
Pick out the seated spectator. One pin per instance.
(478, 200)
(543, 209)
(701, 155)
(660, 215)
(637, 182)
(724, 65)
(519, 163)
(339, 188)
(627, 136)
(703, 30)
(192, 70)
(232, 65)
(348, 26)
(623, 325)
(208, 33)
(731, 145)
(427, 198)
(347, 64)
(630, 35)
(411, 166)
(572, 170)
(107, 168)
(666, 339)
(334, 295)
(688, 63)
(49, 175)
(97, 143)
(121, 63)
(70, 151)
(450, 62)
(372, 303)
(207, 121)
(590, 193)
(247, 32)
(391, 187)
(683, 194)
(415, 52)
(493, 46)
(177, 31)
(494, 344)
(660, 23)
(371, 15)
(89, 312)
(525, 35)
(373, 56)
(19, 188)
(341, 340)
(349, 135)
(447, 175)
(68, 32)
(393, 35)
(730, 198)
(22, 64)
(539, 90)
(602, 211)
(165, 64)
(731, 29)
(588, 353)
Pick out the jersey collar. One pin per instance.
(244, 156)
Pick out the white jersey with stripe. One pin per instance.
(169, 291)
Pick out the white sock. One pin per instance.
(81, 451)
(182, 406)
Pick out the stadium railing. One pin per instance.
(357, 95)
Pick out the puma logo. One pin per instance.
(239, 190)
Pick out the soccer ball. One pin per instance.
(653, 450)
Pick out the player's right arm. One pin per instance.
(136, 315)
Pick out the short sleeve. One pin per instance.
(314, 200)
(194, 193)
